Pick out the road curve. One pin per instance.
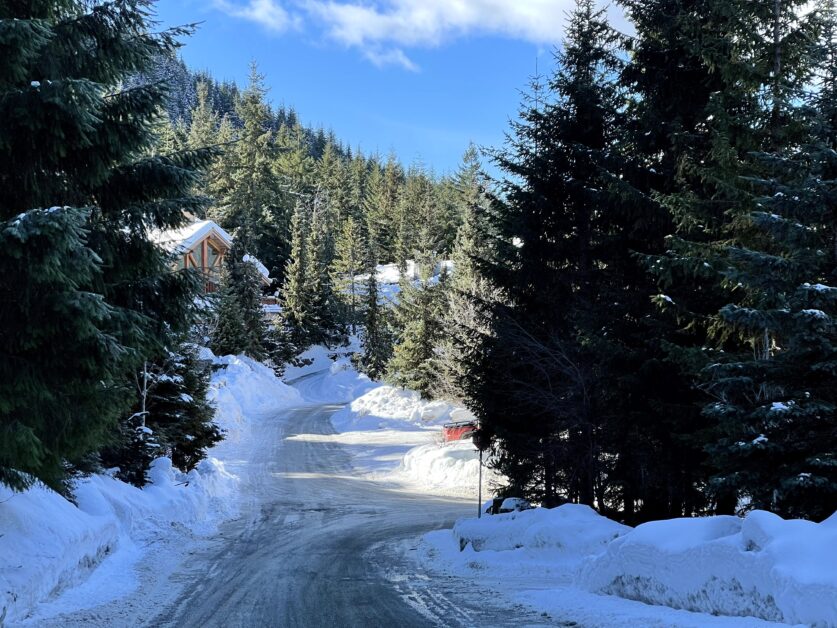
(307, 550)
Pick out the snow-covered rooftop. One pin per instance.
(186, 237)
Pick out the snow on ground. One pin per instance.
(326, 375)
(388, 277)
(56, 556)
(393, 434)
(760, 565)
(572, 563)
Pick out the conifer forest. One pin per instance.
(634, 295)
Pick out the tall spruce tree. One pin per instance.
(555, 219)
(351, 253)
(774, 399)
(420, 305)
(466, 323)
(296, 301)
(78, 324)
(376, 342)
(321, 327)
(251, 205)
(241, 325)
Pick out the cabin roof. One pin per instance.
(185, 238)
(188, 237)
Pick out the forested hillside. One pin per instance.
(641, 308)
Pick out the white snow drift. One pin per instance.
(394, 434)
(48, 544)
(760, 567)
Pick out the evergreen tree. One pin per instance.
(74, 136)
(375, 337)
(539, 385)
(250, 205)
(321, 325)
(381, 204)
(466, 322)
(296, 301)
(229, 337)
(417, 315)
(179, 414)
(244, 284)
(204, 126)
(774, 397)
(417, 229)
(350, 253)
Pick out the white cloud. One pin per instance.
(393, 56)
(433, 22)
(268, 13)
(384, 29)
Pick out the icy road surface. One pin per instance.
(316, 545)
(314, 549)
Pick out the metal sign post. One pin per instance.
(479, 491)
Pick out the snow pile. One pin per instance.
(316, 359)
(543, 546)
(572, 528)
(244, 390)
(327, 376)
(762, 565)
(388, 407)
(402, 438)
(451, 468)
(47, 544)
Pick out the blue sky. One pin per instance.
(419, 77)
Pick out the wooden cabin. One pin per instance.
(203, 245)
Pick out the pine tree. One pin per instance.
(358, 173)
(251, 205)
(296, 302)
(417, 315)
(376, 342)
(72, 135)
(229, 337)
(321, 327)
(54, 344)
(466, 322)
(204, 125)
(350, 253)
(775, 402)
(245, 281)
(179, 414)
(171, 417)
(538, 393)
(416, 224)
(381, 205)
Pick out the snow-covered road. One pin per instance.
(316, 545)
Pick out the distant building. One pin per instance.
(203, 245)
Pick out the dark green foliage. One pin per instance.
(54, 344)
(466, 325)
(179, 415)
(376, 341)
(421, 302)
(73, 136)
(560, 210)
(351, 251)
(171, 417)
(241, 326)
(775, 400)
